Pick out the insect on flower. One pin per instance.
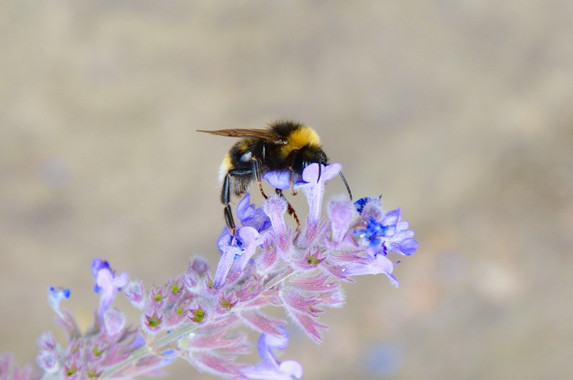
(283, 146)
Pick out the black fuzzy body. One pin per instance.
(251, 158)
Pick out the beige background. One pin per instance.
(460, 112)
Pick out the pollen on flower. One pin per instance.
(94, 373)
(153, 321)
(176, 289)
(71, 370)
(312, 260)
(158, 297)
(197, 315)
(97, 352)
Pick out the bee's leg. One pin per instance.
(229, 219)
(225, 199)
(290, 209)
(291, 180)
(258, 177)
(293, 158)
(226, 196)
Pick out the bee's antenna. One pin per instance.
(345, 184)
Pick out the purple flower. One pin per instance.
(230, 247)
(369, 207)
(312, 184)
(250, 240)
(341, 213)
(398, 238)
(97, 265)
(135, 293)
(388, 230)
(314, 187)
(114, 322)
(275, 207)
(376, 263)
(57, 295)
(107, 283)
(47, 341)
(250, 216)
(281, 179)
(196, 270)
(359, 204)
(270, 367)
(372, 233)
(48, 361)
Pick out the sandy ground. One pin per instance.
(459, 112)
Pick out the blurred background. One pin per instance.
(459, 112)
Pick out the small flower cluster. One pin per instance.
(198, 317)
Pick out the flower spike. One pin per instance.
(201, 316)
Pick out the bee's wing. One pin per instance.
(264, 134)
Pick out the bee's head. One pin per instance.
(308, 155)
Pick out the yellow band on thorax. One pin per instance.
(299, 138)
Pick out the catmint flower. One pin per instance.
(359, 204)
(135, 293)
(369, 207)
(399, 238)
(311, 183)
(230, 248)
(195, 272)
(250, 239)
(47, 360)
(372, 233)
(281, 179)
(376, 263)
(97, 265)
(114, 322)
(275, 207)
(250, 216)
(153, 322)
(107, 282)
(237, 250)
(47, 341)
(270, 367)
(196, 315)
(314, 187)
(341, 213)
(57, 295)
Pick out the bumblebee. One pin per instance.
(284, 145)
